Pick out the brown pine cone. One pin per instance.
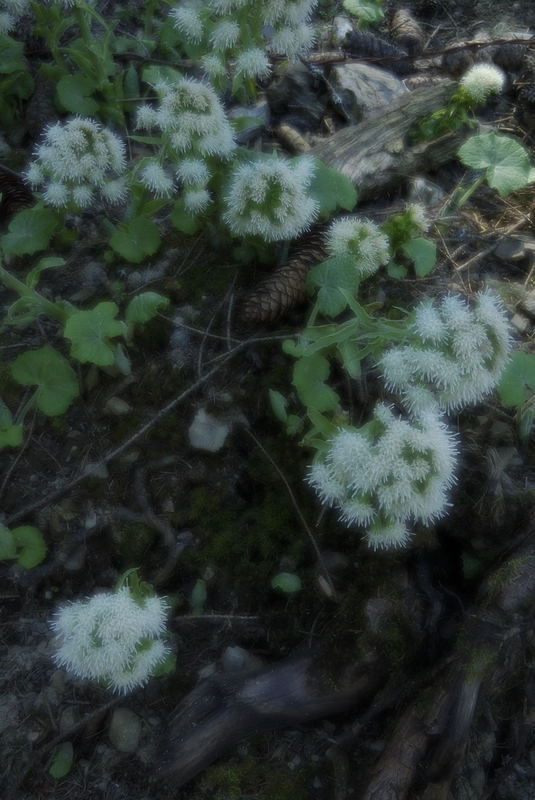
(15, 193)
(285, 288)
(406, 32)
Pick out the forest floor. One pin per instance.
(236, 519)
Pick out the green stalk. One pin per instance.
(53, 310)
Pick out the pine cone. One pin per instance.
(15, 193)
(368, 46)
(285, 288)
(526, 96)
(407, 32)
(511, 56)
(40, 108)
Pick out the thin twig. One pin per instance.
(299, 513)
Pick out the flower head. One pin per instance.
(191, 119)
(457, 356)
(360, 238)
(111, 637)
(269, 198)
(76, 159)
(387, 474)
(253, 63)
(482, 80)
(187, 20)
(154, 177)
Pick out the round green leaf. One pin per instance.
(30, 230)
(519, 376)
(144, 307)
(332, 189)
(423, 253)
(56, 381)
(136, 239)
(62, 759)
(90, 332)
(74, 93)
(506, 162)
(30, 544)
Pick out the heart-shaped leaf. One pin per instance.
(56, 381)
(506, 162)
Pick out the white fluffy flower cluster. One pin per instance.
(269, 198)
(458, 354)
(10, 11)
(194, 127)
(360, 238)
(388, 474)
(112, 637)
(77, 159)
(233, 30)
(482, 80)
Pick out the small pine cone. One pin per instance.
(285, 288)
(526, 96)
(511, 56)
(40, 108)
(15, 193)
(359, 44)
(406, 32)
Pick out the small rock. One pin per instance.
(425, 192)
(514, 248)
(117, 407)
(364, 89)
(341, 27)
(520, 322)
(125, 730)
(236, 659)
(528, 304)
(206, 432)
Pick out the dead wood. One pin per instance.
(377, 155)
(225, 709)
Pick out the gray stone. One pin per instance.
(125, 730)
(117, 407)
(521, 323)
(364, 89)
(515, 248)
(206, 432)
(236, 659)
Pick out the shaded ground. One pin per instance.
(231, 511)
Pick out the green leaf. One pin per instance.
(30, 544)
(333, 275)
(54, 377)
(366, 11)
(144, 307)
(90, 333)
(199, 596)
(136, 239)
(423, 253)
(286, 582)
(74, 93)
(332, 189)
(506, 162)
(8, 548)
(182, 219)
(30, 230)
(62, 759)
(350, 357)
(154, 74)
(49, 262)
(396, 270)
(518, 378)
(309, 375)
(10, 434)
(278, 404)
(11, 55)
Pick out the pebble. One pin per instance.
(206, 432)
(125, 730)
(117, 407)
(364, 89)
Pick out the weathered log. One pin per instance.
(377, 154)
(224, 709)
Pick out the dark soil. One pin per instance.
(238, 524)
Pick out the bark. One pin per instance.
(378, 154)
